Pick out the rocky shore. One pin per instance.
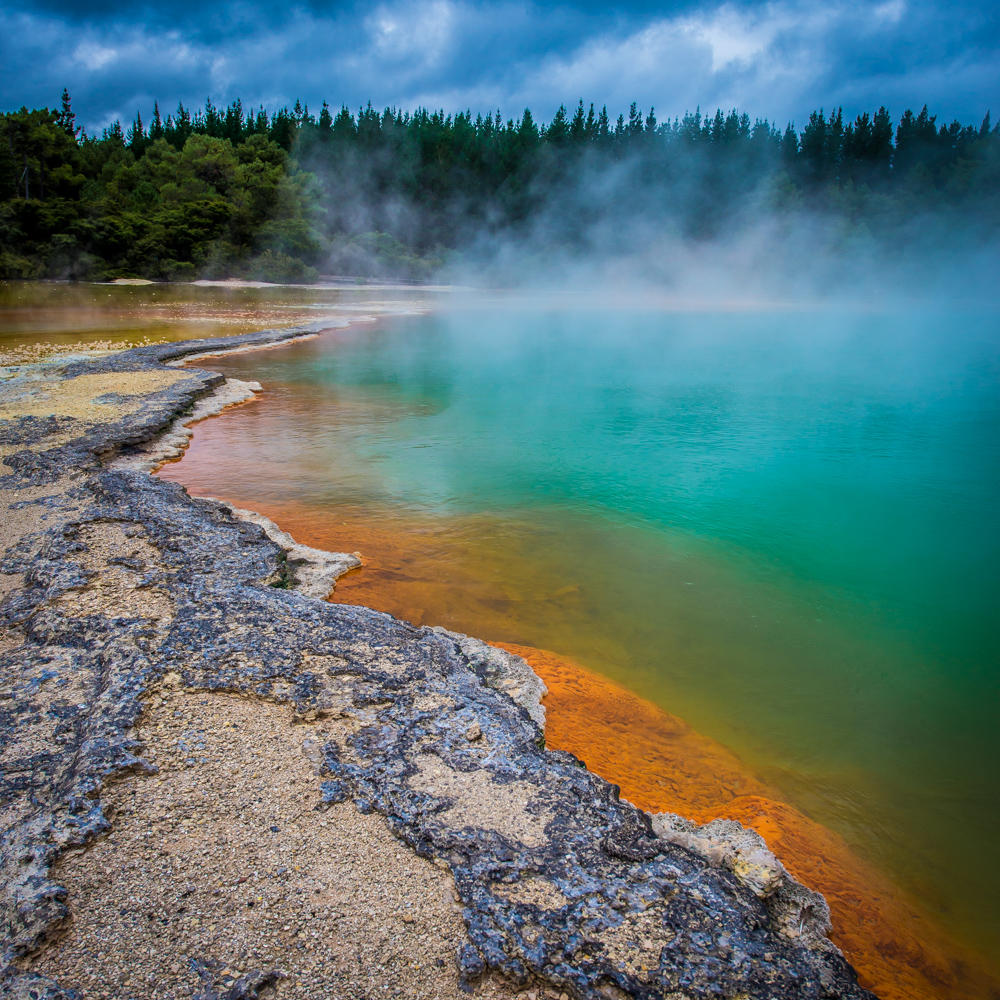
(217, 784)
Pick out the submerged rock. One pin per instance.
(118, 586)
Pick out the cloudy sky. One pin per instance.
(776, 59)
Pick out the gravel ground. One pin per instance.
(222, 864)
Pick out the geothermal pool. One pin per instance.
(782, 526)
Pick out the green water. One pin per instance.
(783, 526)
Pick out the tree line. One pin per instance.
(283, 196)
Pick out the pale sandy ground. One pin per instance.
(229, 865)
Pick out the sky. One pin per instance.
(777, 60)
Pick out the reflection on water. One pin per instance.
(63, 314)
(781, 528)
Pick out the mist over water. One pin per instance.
(781, 525)
(704, 208)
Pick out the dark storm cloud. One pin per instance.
(778, 59)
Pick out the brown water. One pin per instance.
(65, 314)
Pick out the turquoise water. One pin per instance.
(782, 526)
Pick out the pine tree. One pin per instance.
(916, 139)
(283, 128)
(156, 126)
(790, 145)
(881, 147)
(716, 128)
(67, 120)
(815, 145)
(183, 126)
(113, 133)
(527, 130)
(634, 120)
(558, 129)
(343, 124)
(603, 125)
(834, 140)
(136, 135)
(233, 126)
(212, 122)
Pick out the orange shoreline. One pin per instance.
(662, 765)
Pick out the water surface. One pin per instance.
(781, 526)
(67, 314)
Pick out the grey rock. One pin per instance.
(32, 987)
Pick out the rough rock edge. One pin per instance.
(726, 843)
(313, 572)
(312, 331)
(171, 443)
(504, 672)
(717, 939)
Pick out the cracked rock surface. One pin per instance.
(177, 717)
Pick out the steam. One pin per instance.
(690, 228)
